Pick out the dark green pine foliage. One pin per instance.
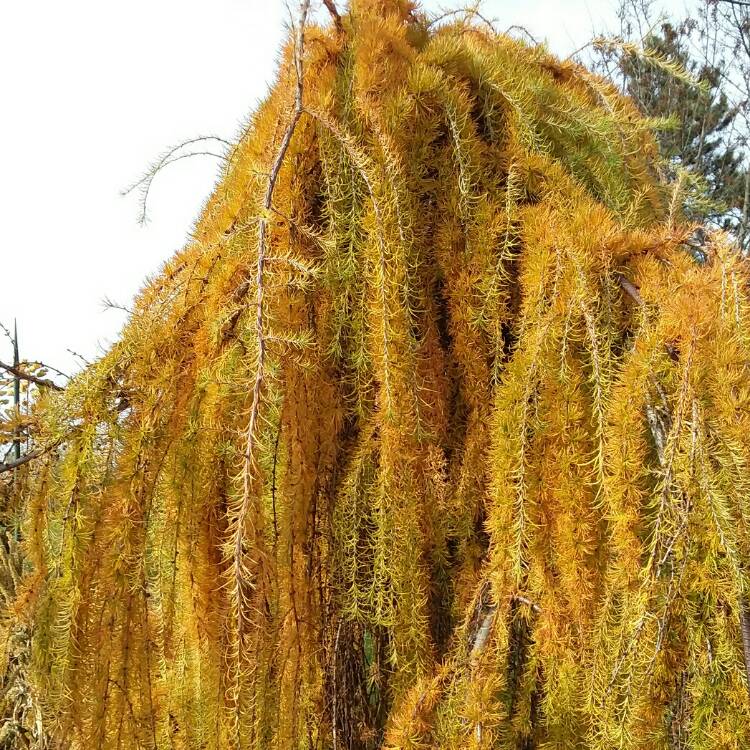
(701, 147)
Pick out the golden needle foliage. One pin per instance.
(493, 489)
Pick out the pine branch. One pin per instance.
(16, 462)
(471, 12)
(331, 6)
(249, 463)
(168, 157)
(745, 630)
(23, 375)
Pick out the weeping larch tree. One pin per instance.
(436, 433)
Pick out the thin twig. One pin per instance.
(109, 304)
(44, 365)
(79, 356)
(523, 30)
(472, 11)
(167, 158)
(7, 333)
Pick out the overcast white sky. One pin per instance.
(91, 92)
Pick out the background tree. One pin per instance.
(21, 723)
(657, 62)
(732, 19)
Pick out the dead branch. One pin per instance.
(109, 304)
(532, 605)
(7, 333)
(524, 31)
(83, 359)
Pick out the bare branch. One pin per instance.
(39, 363)
(524, 600)
(109, 304)
(524, 31)
(331, 6)
(7, 332)
(16, 462)
(470, 12)
(83, 359)
(23, 375)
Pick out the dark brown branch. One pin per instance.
(630, 288)
(524, 600)
(23, 375)
(745, 630)
(16, 462)
(331, 6)
(83, 359)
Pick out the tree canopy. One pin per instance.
(436, 433)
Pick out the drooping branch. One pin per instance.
(169, 157)
(471, 11)
(249, 462)
(660, 425)
(318, 628)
